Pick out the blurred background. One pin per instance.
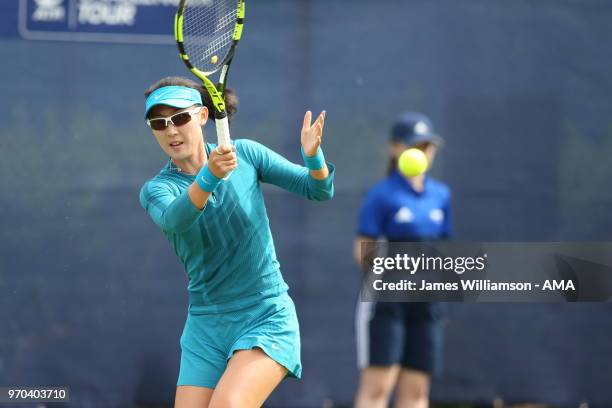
(91, 295)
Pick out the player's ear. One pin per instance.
(203, 115)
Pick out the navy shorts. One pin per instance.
(409, 334)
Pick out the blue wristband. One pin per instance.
(206, 180)
(315, 162)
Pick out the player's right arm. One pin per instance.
(221, 162)
(176, 212)
(170, 211)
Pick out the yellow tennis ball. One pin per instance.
(214, 59)
(412, 162)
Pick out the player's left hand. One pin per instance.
(312, 134)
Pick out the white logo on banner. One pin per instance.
(99, 20)
(49, 10)
(114, 13)
(107, 12)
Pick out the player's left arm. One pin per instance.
(314, 182)
(311, 137)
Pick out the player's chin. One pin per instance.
(177, 155)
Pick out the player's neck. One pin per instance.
(193, 163)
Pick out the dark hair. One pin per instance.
(231, 100)
(392, 165)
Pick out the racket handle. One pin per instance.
(223, 133)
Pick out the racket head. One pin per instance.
(207, 32)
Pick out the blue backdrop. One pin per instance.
(91, 295)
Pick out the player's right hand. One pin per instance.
(222, 161)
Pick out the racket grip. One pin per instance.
(223, 133)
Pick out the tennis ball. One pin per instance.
(214, 59)
(412, 162)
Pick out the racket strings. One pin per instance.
(208, 28)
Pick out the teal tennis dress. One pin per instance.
(237, 296)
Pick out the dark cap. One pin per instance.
(414, 128)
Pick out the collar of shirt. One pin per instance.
(399, 179)
(172, 167)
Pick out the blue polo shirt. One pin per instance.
(393, 209)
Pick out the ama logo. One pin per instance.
(49, 10)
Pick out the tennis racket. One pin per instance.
(207, 33)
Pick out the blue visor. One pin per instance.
(175, 96)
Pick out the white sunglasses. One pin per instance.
(178, 119)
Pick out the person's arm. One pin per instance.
(170, 212)
(177, 213)
(314, 182)
(370, 225)
(358, 245)
(447, 226)
(310, 139)
(222, 161)
(275, 169)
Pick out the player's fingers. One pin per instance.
(226, 149)
(222, 150)
(225, 164)
(227, 158)
(321, 118)
(307, 119)
(318, 128)
(228, 166)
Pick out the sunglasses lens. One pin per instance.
(181, 118)
(157, 124)
(177, 120)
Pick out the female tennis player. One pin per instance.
(399, 344)
(241, 336)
